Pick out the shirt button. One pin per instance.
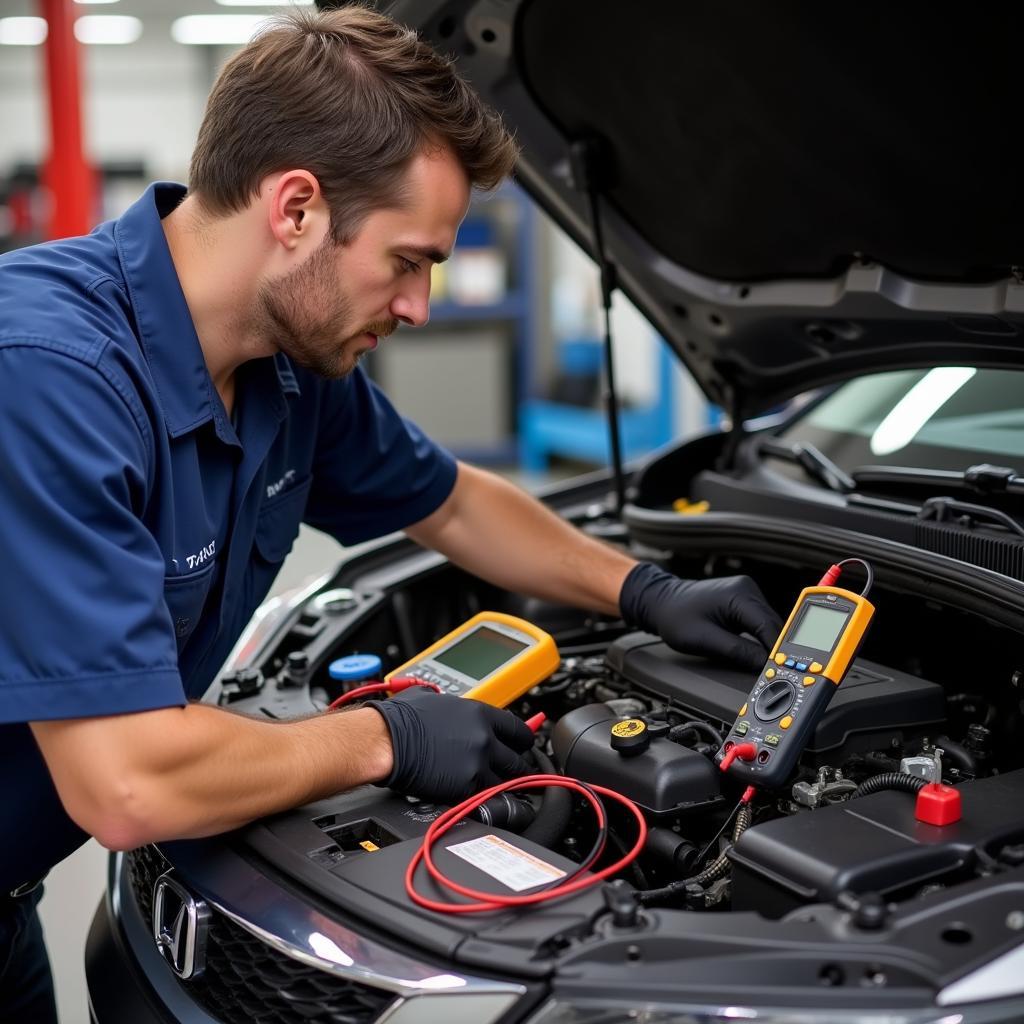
(181, 626)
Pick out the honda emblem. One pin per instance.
(180, 925)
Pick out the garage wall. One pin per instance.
(143, 101)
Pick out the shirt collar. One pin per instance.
(166, 331)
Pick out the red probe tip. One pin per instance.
(534, 722)
(834, 572)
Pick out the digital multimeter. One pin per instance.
(808, 662)
(493, 658)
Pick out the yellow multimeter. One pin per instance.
(808, 662)
(493, 658)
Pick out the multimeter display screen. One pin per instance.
(819, 628)
(480, 653)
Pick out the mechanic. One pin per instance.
(179, 390)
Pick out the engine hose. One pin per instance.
(958, 753)
(890, 780)
(555, 809)
(710, 874)
(709, 731)
(975, 701)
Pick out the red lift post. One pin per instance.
(67, 176)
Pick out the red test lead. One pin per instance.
(391, 687)
(743, 751)
(534, 722)
(830, 577)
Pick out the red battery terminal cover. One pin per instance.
(938, 804)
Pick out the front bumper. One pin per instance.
(283, 961)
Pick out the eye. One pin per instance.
(408, 266)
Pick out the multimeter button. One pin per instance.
(801, 666)
(789, 662)
(808, 680)
(742, 728)
(786, 722)
(816, 666)
(769, 673)
(773, 739)
(780, 659)
(743, 710)
(774, 700)
(762, 757)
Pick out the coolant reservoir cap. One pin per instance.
(630, 737)
(354, 667)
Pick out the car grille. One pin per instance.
(248, 982)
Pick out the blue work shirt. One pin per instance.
(141, 526)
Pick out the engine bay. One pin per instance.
(838, 832)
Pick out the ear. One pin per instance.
(298, 215)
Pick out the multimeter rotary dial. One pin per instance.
(774, 700)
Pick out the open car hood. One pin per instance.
(792, 195)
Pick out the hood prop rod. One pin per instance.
(587, 178)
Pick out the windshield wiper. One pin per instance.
(815, 464)
(983, 478)
(945, 510)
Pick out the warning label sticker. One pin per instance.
(508, 864)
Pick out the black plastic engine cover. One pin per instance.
(872, 704)
(873, 844)
(665, 777)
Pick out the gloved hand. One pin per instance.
(701, 616)
(447, 748)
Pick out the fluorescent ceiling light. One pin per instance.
(250, 3)
(109, 29)
(917, 407)
(216, 29)
(22, 31)
(95, 1)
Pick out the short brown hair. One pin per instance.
(350, 96)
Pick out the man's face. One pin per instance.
(332, 309)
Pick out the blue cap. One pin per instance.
(354, 667)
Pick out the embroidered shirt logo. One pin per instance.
(204, 555)
(280, 485)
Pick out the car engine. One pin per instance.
(841, 830)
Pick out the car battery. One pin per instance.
(871, 844)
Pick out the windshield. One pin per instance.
(950, 417)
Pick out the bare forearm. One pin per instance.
(495, 530)
(198, 770)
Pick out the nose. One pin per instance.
(412, 304)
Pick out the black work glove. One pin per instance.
(701, 616)
(447, 748)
